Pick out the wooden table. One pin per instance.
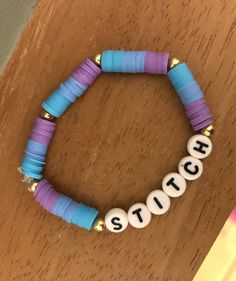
(117, 143)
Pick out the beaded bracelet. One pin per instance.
(173, 185)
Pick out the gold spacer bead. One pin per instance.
(47, 116)
(208, 131)
(173, 62)
(97, 59)
(99, 225)
(33, 186)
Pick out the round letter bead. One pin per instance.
(138, 215)
(116, 220)
(158, 202)
(199, 146)
(190, 168)
(174, 185)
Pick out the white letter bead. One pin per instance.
(116, 220)
(158, 202)
(199, 146)
(190, 168)
(174, 185)
(138, 215)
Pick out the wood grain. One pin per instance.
(117, 142)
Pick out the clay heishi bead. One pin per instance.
(174, 185)
(138, 215)
(116, 220)
(190, 168)
(199, 146)
(158, 202)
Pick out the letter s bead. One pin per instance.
(116, 220)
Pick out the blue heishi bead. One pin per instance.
(180, 76)
(36, 148)
(84, 216)
(117, 61)
(32, 161)
(61, 205)
(126, 62)
(107, 61)
(139, 60)
(56, 104)
(72, 79)
(31, 174)
(185, 85)
(132, 62)
(74, 87)
(67, 93)
(190, 93)
(31, 167)
(69, 212)
(123, 61)
(34, 156)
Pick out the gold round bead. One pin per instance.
(47, 116)
(173, 62)
(99, 225)
(97, 59)
(208, 131)
(33, 186)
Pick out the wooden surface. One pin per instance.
(14, 14)
(117, 142)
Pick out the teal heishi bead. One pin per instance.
(56, 104)
(123, 61)
(84, 216)
(185, 85)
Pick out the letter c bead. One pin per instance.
(116, 220)
(138, 215)
(158, 202)
(190, 168)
